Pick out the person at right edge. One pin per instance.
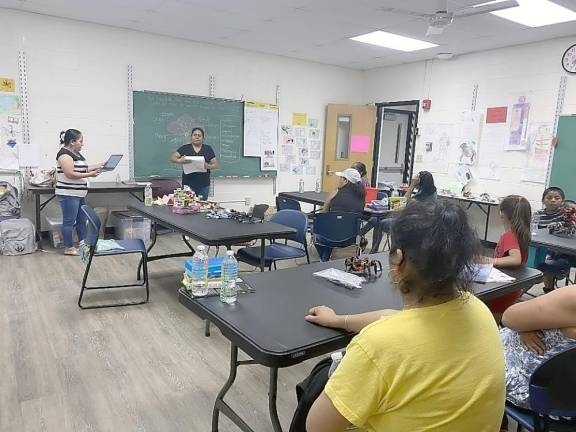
(436, 364)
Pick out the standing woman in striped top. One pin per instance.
(71, 186)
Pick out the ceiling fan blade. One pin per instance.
(486, 8)
(405, 12)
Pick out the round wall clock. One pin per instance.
(569, 60)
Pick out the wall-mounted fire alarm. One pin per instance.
(426, 104)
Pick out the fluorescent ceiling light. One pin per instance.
(535, 13)
(393, 41)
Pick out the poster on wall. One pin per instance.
(435, 139)
(260, 128)
(519, 113)
(10, 131)
(539, 139)
(463, 175)
(489, 170)
(469, 137)
(7, 85)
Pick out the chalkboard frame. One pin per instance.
(214, 174)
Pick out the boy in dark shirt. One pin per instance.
(554, 264)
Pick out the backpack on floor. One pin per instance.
(308, 391)
(10, 207)
(17, 237)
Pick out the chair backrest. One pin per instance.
(553, 385)
(93, 225)
(287, 204)
(337, 226)
(161, 187)
(381, 194)
(294, 219)
(259, 211)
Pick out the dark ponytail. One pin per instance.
(440, 245)
(518, 211)
(66, 137)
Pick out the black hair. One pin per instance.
(439, 244)
(519, 212)
(569, 201)
(553, 189)
(426, 185)
(361, 168)
(198, 129)
(66, 137)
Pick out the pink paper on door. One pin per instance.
(359, 144)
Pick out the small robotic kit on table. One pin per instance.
(363, 266)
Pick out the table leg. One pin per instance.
(487, 222)
(188, 244)
(137, 197)
(149, 248)
(272, 392)
(220, 405)
(38, 227)
(262, 254)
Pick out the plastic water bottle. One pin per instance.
(200, 272)
(148, 195)
(301, 186)
(534, 224)
(317, 188)
(229, 274)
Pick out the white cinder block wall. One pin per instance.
(532, 70)
(77, 78)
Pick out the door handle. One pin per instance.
(328, 171)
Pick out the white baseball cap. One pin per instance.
(350, 174)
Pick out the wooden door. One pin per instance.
(349, 138)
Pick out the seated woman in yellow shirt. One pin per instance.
(436, 365)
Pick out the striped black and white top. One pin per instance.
(66, 185)
(548, 218)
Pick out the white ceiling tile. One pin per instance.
(316, 30)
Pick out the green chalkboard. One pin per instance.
(163, 121)
(563, 172)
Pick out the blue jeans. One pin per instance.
(201, 192)
(72, 216)
(381, 227)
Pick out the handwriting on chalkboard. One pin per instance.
(163, 122)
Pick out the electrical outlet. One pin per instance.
(419, 158)
(247, 201)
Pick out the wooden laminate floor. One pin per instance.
(142, 368)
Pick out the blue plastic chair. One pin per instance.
(287, 204)
(130, 247)
(552, 393)
(336, 230)
(277, 251)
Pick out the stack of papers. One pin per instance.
(195, 164)
(484, 273)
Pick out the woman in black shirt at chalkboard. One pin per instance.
(199, 182)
